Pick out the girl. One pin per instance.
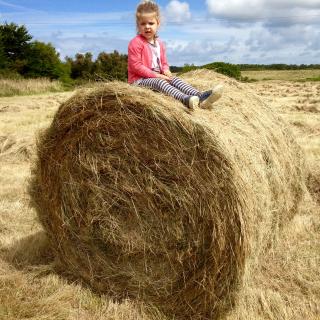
(148, 66)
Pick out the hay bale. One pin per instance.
(144, 200)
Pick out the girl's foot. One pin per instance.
(209, 97)
(205, 95)
(192, 102)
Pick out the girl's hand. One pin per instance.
(164, 77)
(168, 73)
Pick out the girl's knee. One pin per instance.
(161, 81)
(161, 84)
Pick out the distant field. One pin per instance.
(282, 74)
(12, 87)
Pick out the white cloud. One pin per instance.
(294, 3)
(200, 52)
(69, 45)
(271, 11)
(177, 11)
(277, 31)
(299, 44)
(79, 32)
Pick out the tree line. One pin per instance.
(277, 66)
(236, 68)
(21, 56)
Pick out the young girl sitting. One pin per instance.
(148, 66)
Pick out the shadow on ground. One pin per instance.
(31, 251)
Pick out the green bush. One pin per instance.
(228, 69)
(188, 67)
(314, 79)
(247, 79)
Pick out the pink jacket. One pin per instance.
(140, 59)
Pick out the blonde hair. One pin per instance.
(147, 7)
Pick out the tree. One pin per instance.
(64, 71)
(15, 41)
(43, 61)
(107, 66)
(112, 65)
(82, 66)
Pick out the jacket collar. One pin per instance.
(145, 40)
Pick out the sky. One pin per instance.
(195, 31)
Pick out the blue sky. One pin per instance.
(199, 32)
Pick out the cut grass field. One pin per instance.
(287, 287)
(13, 87)
(283, 75)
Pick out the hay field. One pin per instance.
(284, 75)
(287, 287)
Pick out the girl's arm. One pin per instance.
(135, 61)
(164, 61)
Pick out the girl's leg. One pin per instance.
(189, 90)
(165, 87)
(184, 87)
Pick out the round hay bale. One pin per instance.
(144, 200)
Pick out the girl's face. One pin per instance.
(148, 26)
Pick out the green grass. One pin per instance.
(14, 87)
(314, 79)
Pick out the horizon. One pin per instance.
(195, 32)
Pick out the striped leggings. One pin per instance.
(176, 88)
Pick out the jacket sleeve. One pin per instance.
(135, 61)
(165, 65)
